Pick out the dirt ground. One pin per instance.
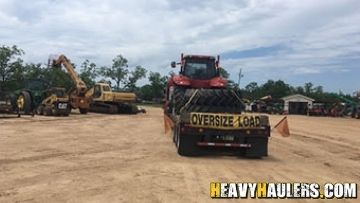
(127, 158)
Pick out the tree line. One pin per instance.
(15, 74)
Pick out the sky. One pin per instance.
(295, 41)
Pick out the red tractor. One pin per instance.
(207, 115)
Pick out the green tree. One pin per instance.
(252, 87)
(224, 73)
(319, 90)
(158, 84)
(251, 91)
(308, 88)
(146, 92)
(10, 63)
(135, 75)
(34, 71)
(276, 89)
(88, 72)
(117, 72)
(299, 90)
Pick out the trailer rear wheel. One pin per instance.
(258, 149)
(186, 144)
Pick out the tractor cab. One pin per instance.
(199, 68)
(198, 71)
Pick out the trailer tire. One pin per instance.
(186, 144)
(174, 137)
(258, 149)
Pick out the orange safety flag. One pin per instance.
(283, 128)
(168, 123)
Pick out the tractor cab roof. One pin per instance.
(198, 57)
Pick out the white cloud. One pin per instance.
(321, 36)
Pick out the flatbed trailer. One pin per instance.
(239, 135)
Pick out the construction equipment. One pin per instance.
(347, 107)
(207, 115)
(29, 97)
(99, 98)
(55, 103)
(7, 103)
(356, 108)
(318, 109)
(104, 100)
(78, 100)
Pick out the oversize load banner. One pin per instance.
(224, 121)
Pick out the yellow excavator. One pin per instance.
(100, 98)
(78, 100)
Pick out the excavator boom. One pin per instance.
(78, 99)
(80, 84)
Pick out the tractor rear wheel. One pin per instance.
(214, 100)
(24, 102)
(178, 99)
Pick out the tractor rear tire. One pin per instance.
(178, 99)
(214, 100)
(27, 105)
